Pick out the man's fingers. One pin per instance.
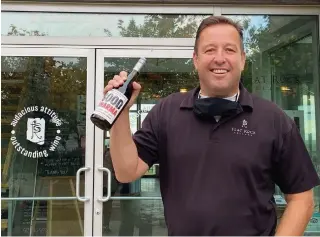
(107, 88)
(123, 74)
(116, 82)
(118, 79)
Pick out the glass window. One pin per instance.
(111, 25)
(159, 77)
(282, 67)
(43, 130)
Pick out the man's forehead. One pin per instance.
(219, 33)
(220, 39)
(221, 28)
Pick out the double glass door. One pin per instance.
(57, 174)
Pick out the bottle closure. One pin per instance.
(140, 64)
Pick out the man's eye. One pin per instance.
(230, 50)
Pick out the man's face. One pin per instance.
(219, 60)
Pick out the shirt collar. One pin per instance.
(235, 97)
(245, 98)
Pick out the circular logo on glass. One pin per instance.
(35, 131)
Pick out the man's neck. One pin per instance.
(233, 97)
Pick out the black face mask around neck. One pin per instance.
(208, 108)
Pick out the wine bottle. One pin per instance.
(115, 100)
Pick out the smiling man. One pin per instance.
(219, 58)
(220, 148)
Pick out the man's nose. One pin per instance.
(219, 57)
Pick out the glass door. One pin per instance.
(47, 141)
(136, 208)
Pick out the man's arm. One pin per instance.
(297, 214)
(127, 165)
(296, 176)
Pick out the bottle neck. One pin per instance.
(130, 77)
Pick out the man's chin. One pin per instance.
(220, 89)
(220, 86)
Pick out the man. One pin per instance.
(221, 150)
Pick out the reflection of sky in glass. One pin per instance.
(87, 24)
(84, 24)
(64, 24)
(93, 24)
(257, 22)
(67, 24)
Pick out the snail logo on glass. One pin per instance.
(35, 132)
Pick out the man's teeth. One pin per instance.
(219, 71)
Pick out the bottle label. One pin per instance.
(111, 105)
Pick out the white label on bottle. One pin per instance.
(111, 105)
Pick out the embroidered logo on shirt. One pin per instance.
(244, 123)
(244, 131)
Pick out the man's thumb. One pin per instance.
(136, 90)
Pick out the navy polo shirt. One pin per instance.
(218, 178)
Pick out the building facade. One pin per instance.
(57, 178)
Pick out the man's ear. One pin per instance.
(243, 60)
(195, 60)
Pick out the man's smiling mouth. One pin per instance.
(219, 71)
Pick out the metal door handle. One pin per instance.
(104, 199)
(78, 184)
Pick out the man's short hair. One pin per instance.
(215, 20)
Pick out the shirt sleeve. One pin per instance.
(294, 171)
(147, 137)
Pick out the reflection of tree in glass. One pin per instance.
(178, 73)
(296, 75)
(162, 26)
(14, 31)
(160, 77)
(54, 82)
(286, 56)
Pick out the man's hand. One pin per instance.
(297, 214)
(118, 81)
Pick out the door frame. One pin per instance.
(101, 54)
(88, 169)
